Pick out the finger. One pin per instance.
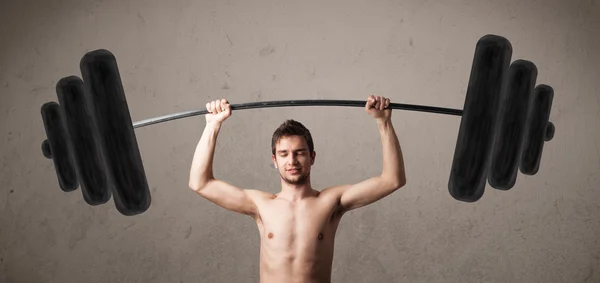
(370, 101)
(212, 107)
(208, 107)
(218, 105)
(224, 104)
(379, 103)
(387, 103)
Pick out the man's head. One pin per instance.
(293, 152)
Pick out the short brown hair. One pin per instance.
(292, 128)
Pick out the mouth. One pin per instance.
(293, 170)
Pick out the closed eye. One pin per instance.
(301, 151)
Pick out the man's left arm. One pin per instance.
(393, 175)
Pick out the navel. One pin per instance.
(320, 236)
(270, 235)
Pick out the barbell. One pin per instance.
(504, 124)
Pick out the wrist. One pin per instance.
(213, 125)
(384, 122)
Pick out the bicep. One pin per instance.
(364, 193)
(229, 197)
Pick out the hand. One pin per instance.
(376, 106)
(218, 111)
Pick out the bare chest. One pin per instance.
(297, 227)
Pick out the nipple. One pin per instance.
(270, 235)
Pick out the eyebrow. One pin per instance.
(284, 151)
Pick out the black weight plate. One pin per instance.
(119, 145)
(83, 133)
(549, 132)
(58, 141)
(475, 136)
(46, 149)
(537, 124)
(510, 128)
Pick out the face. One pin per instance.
(293, 160)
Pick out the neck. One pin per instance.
(296, 192)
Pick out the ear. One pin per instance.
(314, 155)
(274, 160)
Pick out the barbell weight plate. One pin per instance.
(549, 132)
(57, 134)
(46, 149)
(537, 124)
(488, 75)
(82, 130)
(116, 134)
(510, 127)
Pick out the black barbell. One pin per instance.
(92, 143)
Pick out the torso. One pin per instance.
(297, 238)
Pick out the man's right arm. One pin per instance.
(203, 182)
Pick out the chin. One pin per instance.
(296, 180)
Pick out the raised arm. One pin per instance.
(202, 180)
(392, 176)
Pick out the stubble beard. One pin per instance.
(299, 180)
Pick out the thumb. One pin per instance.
(370, 102)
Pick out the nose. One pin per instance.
(294, 159)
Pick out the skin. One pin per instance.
(297, 226)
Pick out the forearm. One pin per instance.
(201, 169)
(393, 161)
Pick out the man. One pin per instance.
(297, 226)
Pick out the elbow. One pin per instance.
(197, 185)
(401, 178)
(194, 186)
(401, 183)
(396, 182)
(199, 179)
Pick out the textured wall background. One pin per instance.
(177, 55)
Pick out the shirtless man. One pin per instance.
(297, 226)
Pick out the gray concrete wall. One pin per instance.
(177, 55)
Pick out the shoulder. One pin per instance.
(333, 196)
(337, 189)
(259, 200)
(334, 191)
(258, 195)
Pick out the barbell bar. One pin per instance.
(504, 124)
(298, 103)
